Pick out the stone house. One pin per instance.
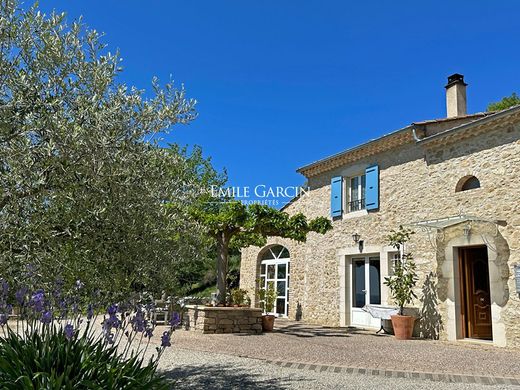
(455, 182)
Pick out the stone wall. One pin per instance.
(207, 319)
(417, 183)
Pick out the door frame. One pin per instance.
(344, 255)
(449, 274)
(277, 262)
(464, 290)
(369, 321)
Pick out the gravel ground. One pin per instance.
(296, 342)
(204, 370)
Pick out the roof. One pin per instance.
(442, 120)
(479, 122)
(375, 144)
(400, 137)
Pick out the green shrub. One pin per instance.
(404, 278)
(53, 359)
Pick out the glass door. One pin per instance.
(366, 289)
(277, 273)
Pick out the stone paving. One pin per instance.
(354, 351)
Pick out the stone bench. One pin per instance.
(208, 319)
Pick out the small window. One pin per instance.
(467, 183)
(357, 193)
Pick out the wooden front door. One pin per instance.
(475, 293)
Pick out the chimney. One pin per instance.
(456, 96)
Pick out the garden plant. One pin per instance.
(67, 340)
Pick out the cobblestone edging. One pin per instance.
(432, 376)
(207, 319)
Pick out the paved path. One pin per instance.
(313, 349)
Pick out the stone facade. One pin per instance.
(417, 182)
(206, 319)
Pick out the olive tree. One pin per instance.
(84, 189)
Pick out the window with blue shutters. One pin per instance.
(357, 189)
(372, 188)
(336, 198)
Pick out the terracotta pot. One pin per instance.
(268, 322)
(403, 326)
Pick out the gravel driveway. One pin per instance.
(300, 343)
(300, 356)
(205, 370)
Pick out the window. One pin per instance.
(357, 190)
(467, 183)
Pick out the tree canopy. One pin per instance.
(84, 187)
(506, 102)
(235, 225)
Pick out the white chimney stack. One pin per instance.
(456, 96)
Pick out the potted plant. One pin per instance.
(267, 300)
(401, 284)
(238, 297)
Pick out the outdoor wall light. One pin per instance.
(356, 237)
(467, 230)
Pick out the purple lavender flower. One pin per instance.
(112, 310)
(3, 319)
(46, 317)
(114, 321)
(20, 295)
(111, 322)
(69, 331)
(5, 287)
(175, 320)
(90, 312)
(138, 322)
(38, 300)
(165, 340)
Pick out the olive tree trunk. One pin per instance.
(222, 266)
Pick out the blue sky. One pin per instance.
(284, 83)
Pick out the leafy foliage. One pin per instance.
(404, 278)
(506, 102)
(267, 297)
(235, 225)
(83, 183)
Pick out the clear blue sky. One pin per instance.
(283, 83)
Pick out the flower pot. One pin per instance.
(268, 322)
(403, 326)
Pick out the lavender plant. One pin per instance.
(65, 339)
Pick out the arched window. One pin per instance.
(467, 183)
(275, 268)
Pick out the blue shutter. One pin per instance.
(336, 198)
(372, 188)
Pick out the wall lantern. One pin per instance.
(356, 237)
(467, 230)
